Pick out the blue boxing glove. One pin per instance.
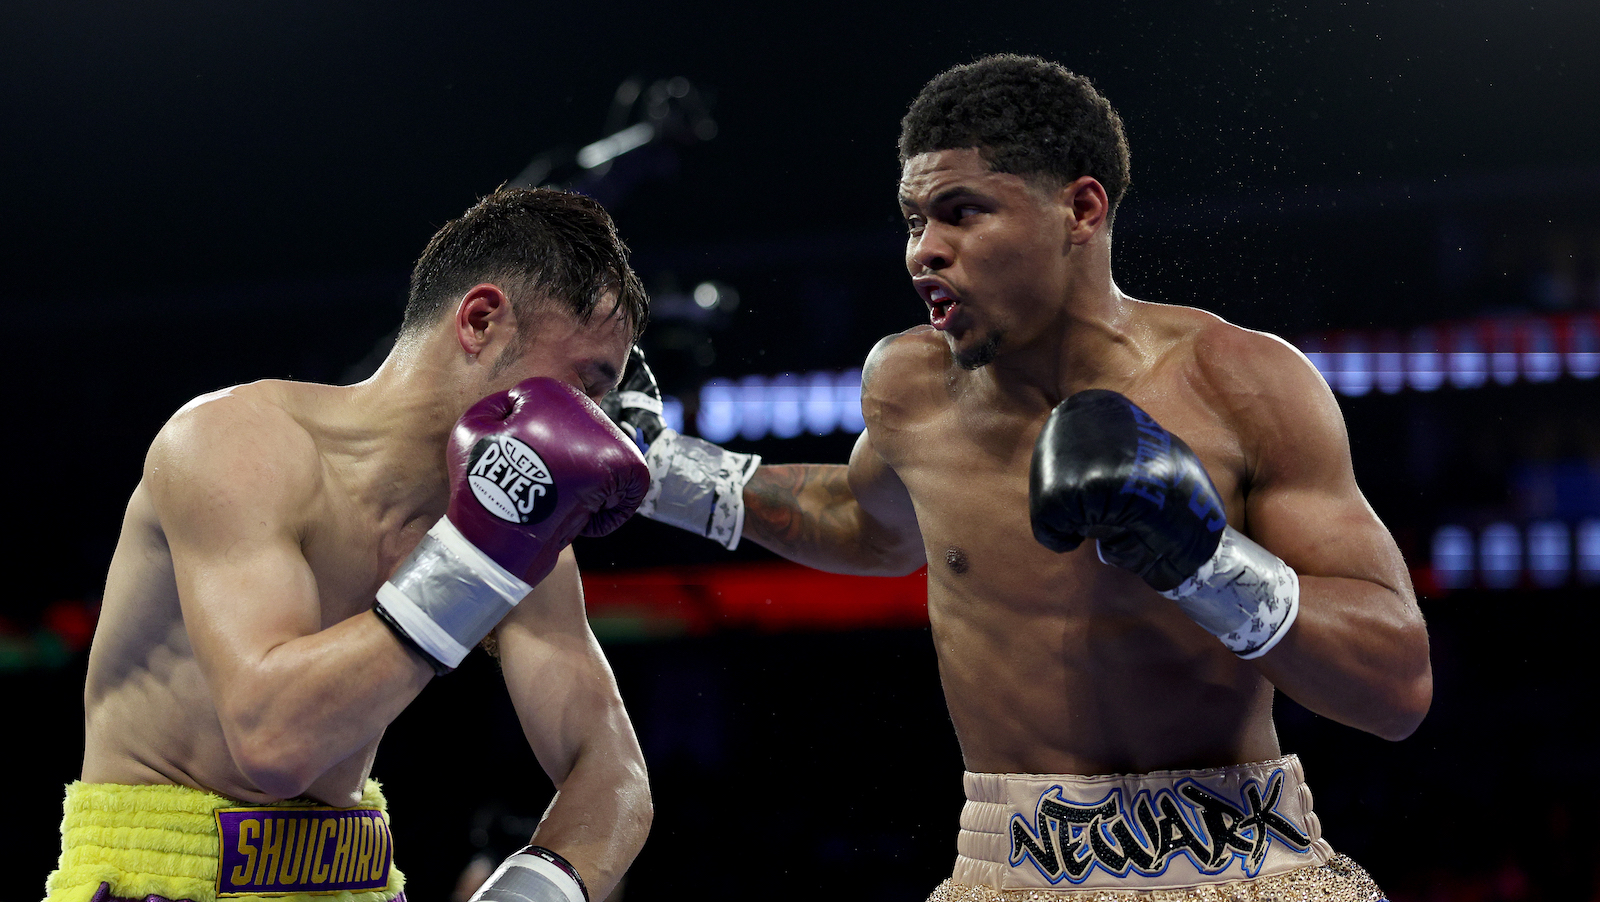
(1104, 469)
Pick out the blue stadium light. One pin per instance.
(821, 413)
(1424, 368)
(847, 395)
(1583, 360)
(1464, 355)
(1549, 553)
(1541, 362)
(1504, 363)
(672, 413)
(1500, 555)
(1390, 371)
(1452, 557)
(782, 406)
(718, 419)
(754, 411)
(1468, 365)
(1354, 368)
(1589, 552)
(788, 415)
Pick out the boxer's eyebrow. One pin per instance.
(952, 193)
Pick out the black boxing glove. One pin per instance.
(694, 484)
(1104, 469)
(635, 404)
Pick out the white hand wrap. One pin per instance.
(638, 400)
(1243, 595)
(698, 486)
(448, 595)
(533, 875)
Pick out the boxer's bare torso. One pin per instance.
(1057, 663)
(150, 713)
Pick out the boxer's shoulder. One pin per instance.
(918, 348)
(906, 374)
(1232, 367)
(247, 442)
(1248, 396)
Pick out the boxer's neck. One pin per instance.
(398, 423)
(1093, 340)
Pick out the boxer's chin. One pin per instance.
(980, 354)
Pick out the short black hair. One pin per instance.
(1026, 116)
(540, 245)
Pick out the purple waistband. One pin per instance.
(302, 850)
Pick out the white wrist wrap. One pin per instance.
(698, 486)
(525, 877)
(1243, 595)
(448, 595)
(638, 400)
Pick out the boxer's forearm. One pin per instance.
(310, 703)
(808, 514)
(1357, 654)
(599, 819)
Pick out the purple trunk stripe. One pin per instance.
(302, 850)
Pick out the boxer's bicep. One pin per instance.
(1358, 652)
(1304, 504)
(854, 518)
(888, 519)
(229, 498)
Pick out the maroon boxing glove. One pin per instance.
(530, 469)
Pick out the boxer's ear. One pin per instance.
(483, 315)
(1087, 206)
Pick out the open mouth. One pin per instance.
(941, 304)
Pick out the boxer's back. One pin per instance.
(150, 716)
(1053, 663)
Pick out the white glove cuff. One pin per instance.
(530, 877)
(1244, 595)
(448, 594)
(698, 486)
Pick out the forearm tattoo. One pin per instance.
(800, 506)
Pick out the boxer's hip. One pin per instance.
(1161, 831)
(178, 843)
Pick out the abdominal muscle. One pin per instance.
(1063, 665)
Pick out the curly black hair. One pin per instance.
(1026, 116)
(540, 245)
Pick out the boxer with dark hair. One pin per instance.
(1139, 522)
(299, 561)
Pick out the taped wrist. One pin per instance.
(535, 874)
(1244, 595)
(698, 486)
(447, 595)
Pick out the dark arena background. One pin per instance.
(201, 194)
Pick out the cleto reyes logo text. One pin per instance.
(510, 480)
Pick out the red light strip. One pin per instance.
(763, 597)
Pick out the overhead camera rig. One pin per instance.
(645, 128)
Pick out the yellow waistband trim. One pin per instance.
(161, 840)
